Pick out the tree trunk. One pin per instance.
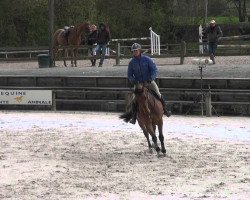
(242, 10)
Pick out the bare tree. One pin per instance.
(241, 7)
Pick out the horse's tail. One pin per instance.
(126, 116)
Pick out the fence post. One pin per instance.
(183, 52)
(53, 100)
(208, 104)
(118, 53)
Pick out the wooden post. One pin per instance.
(183, 52)
(208, 104)
(51, 30)
(118, 53)
(53, 100)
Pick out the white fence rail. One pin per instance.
(155, 42)
(200, 40)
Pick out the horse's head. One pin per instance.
(139, 88)
(85, 26)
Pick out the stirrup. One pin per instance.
(132, 121)
(168, 113)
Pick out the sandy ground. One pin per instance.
(83, 155)
(225, 67)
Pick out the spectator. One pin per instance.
(213, 33)
(92, 41)
(103, 38)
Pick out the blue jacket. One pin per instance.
(141, 69)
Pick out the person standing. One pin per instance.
(214, 33)
(92, 37)
(142, 69)
(103, 38)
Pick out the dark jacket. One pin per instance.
(213, 33)
(92, 38)
(103, 36)
(141, 69)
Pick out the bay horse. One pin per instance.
(73, 37)
(149, 115)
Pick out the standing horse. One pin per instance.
(73, 37)
(149, 115)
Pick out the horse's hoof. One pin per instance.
(163, 151)
(150, 151)
(161, 155)
(158, 149)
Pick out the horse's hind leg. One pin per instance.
(54, 56)
(161, 137)
(65, 52)
(147, 136)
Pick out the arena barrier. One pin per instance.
(229, 96)
(234, 45)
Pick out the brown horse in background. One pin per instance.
(73, 37)
(149, 115)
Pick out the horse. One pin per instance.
(72, 37)
(149, 115)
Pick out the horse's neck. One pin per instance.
(79, 29)
(150, 97)
(142, 101)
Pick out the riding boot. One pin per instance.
(166, 112)
(212, 58)
(133, 110)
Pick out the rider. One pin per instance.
(142, 69)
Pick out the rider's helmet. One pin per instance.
(135, 46)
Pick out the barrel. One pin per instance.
(43, 60)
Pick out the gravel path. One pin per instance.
(226, 67)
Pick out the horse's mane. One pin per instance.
(138, 90)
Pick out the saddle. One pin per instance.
(67, 30)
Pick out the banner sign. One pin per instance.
(26, 97)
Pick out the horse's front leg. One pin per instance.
(144, 129)
(161, 137)
(148, 140)
(72, 56)
(75, 56)
(154, 138)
